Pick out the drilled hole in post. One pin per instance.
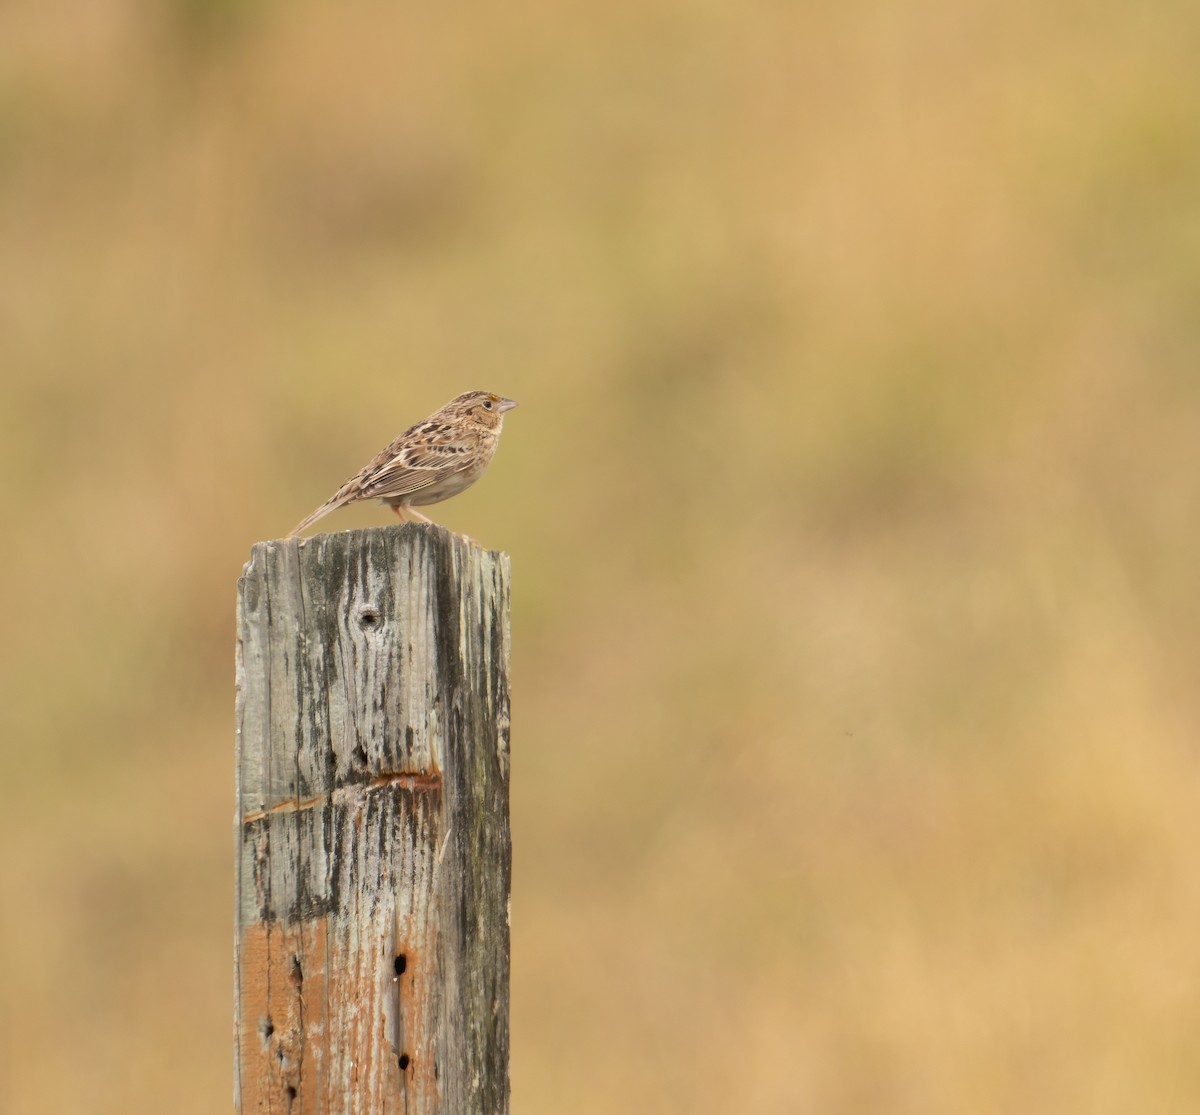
(403, 1061)
(400, 964)
(266, 1027)
(291, 1091)
(369, 619)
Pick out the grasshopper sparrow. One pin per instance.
(429, 462)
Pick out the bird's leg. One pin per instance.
(399, 512)
(418, 515)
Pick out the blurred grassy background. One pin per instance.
(852, 504)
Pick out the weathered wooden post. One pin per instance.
(373, 867)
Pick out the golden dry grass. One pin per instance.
(852, 501)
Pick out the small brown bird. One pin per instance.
(429, 462)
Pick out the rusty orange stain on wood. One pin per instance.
(298, 979)
(282, 968)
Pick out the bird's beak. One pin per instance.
(507, 404)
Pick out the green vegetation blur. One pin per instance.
(853, 503)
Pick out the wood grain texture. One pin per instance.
(374, 855)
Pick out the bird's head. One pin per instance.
(482, 408)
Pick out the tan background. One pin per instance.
(853, 504)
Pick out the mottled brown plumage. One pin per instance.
(429, 462)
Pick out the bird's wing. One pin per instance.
(419, 458)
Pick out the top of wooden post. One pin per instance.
(345, 621)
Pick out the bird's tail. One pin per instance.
(338, 499)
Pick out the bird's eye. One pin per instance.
(487, 404)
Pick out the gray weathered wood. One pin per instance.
(373, 867)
